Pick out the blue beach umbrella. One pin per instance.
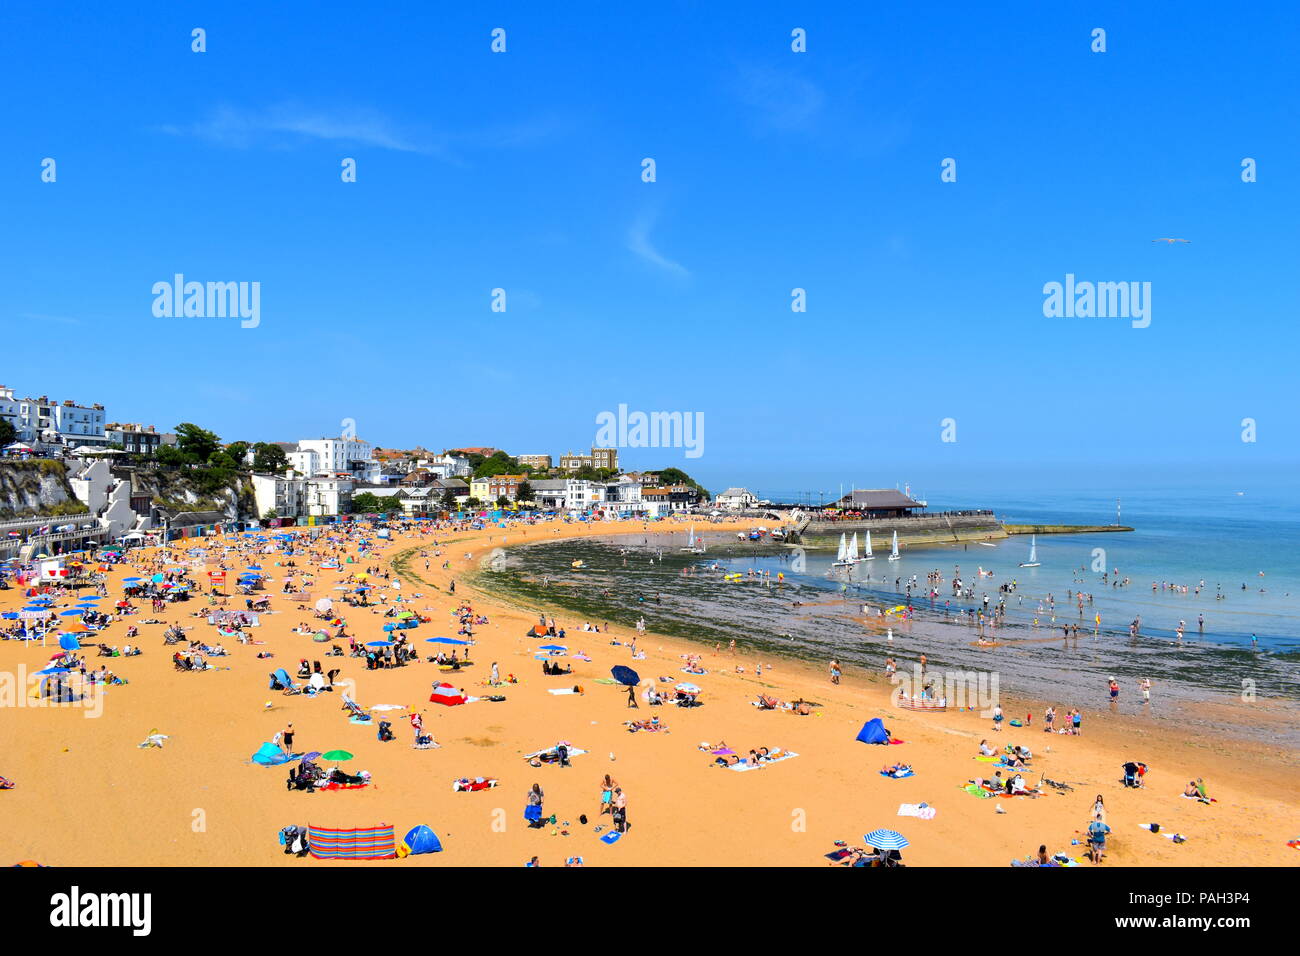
(52, 670)
(885, 839)
(379, 644)
(255, 567)
(553, 647)
(10, 615)
(625, 675)
(73, 613)
(444, 640)
(89, 600)
(129, 580)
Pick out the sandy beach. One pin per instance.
(86, 794)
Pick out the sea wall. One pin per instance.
(926, 529)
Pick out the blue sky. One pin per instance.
(775, 170)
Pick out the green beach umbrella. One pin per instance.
(336, 755)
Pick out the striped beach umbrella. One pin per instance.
(885, 839)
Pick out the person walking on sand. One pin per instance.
(835, 672)
(288, 739)
(1114, 691)
(997, 716)
(1144, 685)
(496, 675)
(631, 697)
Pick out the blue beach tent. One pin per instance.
(269, 755)
(874, 732)
(420, 840)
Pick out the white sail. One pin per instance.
(893, 549)
(866, 552)
(1033, 549)
(690, 537)
(843, 551)
(853, 548)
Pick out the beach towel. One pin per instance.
(474, 785)
(364, 843)
(921, 810)
(746, 765)
(988, 759)
(563, 690)
(610, 838)
(550, 751)
(977, 791)
(898, 776)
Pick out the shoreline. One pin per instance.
(1270, 713)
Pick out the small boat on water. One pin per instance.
(847, 556)
(578, 565)
(893, 548)
(986, 544)
(691, 546)
(1033, 553)
(866, 553)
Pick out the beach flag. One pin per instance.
(367, 843)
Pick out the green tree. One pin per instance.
(473, 503)
(525, 492)
(269, 459)
(237, 450)
(502, 501)
(365, 503)
(449, 500)
(8, 434)
(270, 514)
(498, 464)
(196, 444)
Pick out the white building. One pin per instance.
(736, 499)
(9, 408)
(284, 494)
(569, 494)
(624, 495)
(54, 423)
(107, 497)
(327, 495)
(335, 456)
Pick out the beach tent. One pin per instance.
(270, 755)
(365, 843)
(874, 732)
(282, 676)
(419, 840)
(446, 694)
(625, 675)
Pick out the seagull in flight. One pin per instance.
(1171, 241)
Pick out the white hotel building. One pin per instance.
(335, 456)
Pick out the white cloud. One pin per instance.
(638, 241)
